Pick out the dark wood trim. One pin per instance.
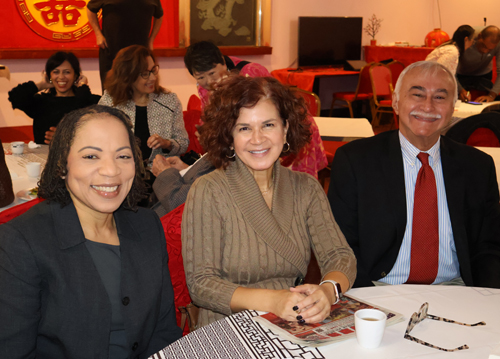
(44, 53)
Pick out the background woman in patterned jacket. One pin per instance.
(133, 86)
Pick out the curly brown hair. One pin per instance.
(127, 67)
(52, 185)
(236, 92)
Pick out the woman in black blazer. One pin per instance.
(84, 274)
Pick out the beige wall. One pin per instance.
(404, 20)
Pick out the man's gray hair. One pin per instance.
(428, 68)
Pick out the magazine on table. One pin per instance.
(338, 326)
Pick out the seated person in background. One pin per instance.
(249, 226)
(208, 66)
(173, 181)
(448, 53)
(6, 192)
(417, 207)
(474, 70)
(133, 86)
(84, 274)
(64, 89)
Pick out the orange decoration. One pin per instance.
(436, 37)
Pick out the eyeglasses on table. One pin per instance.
(421, 315)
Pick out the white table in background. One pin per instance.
(239, 337)
(343, 129)
(494, 152)
(464, 109)
(16, 165)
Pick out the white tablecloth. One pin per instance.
(16, 165)
(240, 337)
(463, 109)
(343, 129)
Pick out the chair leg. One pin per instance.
(376, 118)
(349, 104)
(331, 107)
(372, 107)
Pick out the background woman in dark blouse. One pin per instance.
(64, 89)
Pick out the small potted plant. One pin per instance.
(372, 28)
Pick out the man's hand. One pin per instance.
(176, 162)
(160, 164)
(464, 95)
(488, 98)
(156, 141)
(49, 135)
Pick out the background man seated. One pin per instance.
(474, 70)
(413, 223)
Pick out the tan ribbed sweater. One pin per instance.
(231, 238)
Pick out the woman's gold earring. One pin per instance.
(234, 153)
(287, 147)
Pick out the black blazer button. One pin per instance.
(135, 346)
(125, 300)
(383, 274)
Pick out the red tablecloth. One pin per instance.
(407, 55)
(304, 79)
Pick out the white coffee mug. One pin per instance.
(17, 147)
(33, 169)
(370, 326)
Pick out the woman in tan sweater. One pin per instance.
(249, 226)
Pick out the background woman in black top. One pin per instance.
(63, 89)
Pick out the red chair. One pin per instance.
(15, 211)
(192, 118)
(312, 100)
(396, 69)
(172, 226)
(363, 91)
(479, 130)
(381, 80)
(194, 103)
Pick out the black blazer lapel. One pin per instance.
(67, 225)
(454, 182)
(391, 163)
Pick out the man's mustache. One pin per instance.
(425, 114)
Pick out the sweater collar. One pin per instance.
(272, 226)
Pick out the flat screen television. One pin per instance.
(329, 41)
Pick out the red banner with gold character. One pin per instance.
(61, 24)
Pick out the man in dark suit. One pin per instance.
(374, 184)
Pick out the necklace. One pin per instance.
(267, 190)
